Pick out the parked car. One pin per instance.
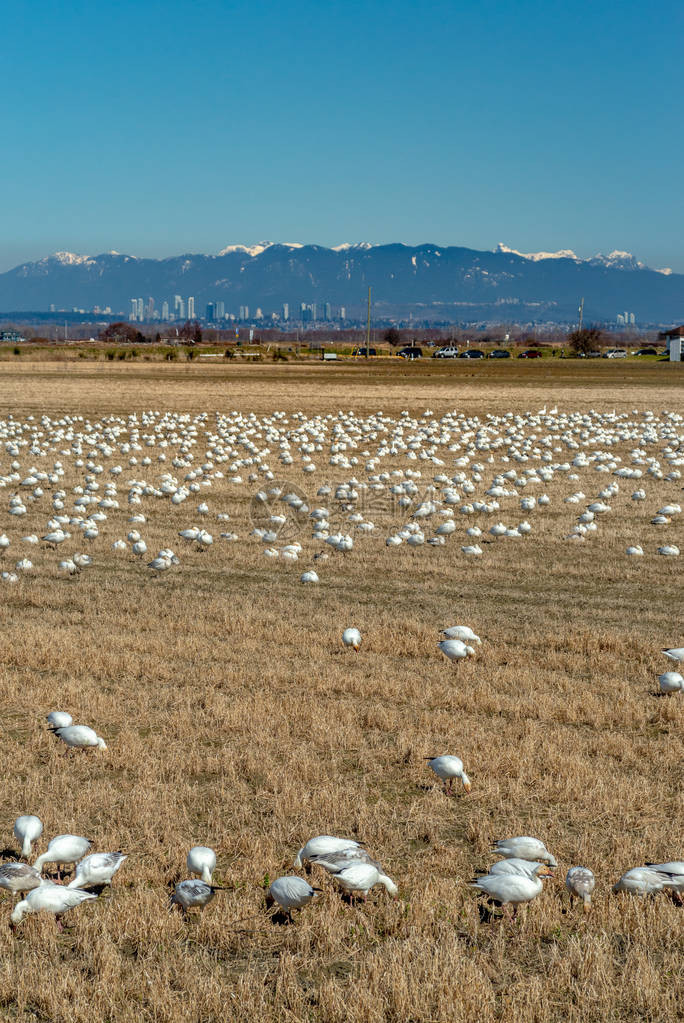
(499, 353)
(530, 353)
(448, 352)
(472, 353)
(615, 353)
(646, 351)
(411, 352)
(361, 353)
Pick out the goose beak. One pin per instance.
(467, 786)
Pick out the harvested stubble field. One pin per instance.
(234, 718)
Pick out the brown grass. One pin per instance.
(234, 718)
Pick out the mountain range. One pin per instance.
(427, 282)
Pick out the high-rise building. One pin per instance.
(191, 308)
(327, 312)
(286, 311)
(343, 313)
(149, 309)
(244, 312)
(178, 307)
(259, 314)
(165, 311)
(133, 315)
(220, 310)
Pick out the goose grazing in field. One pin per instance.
(322, 845)
(462, 632)
(202, 860)
(525, 848)
(352, 637)
(27, 829)
(79, 737)
(641, 881)
(447, 768)
(193, 894)
(97, 869)
(333, 862)
(63, 849)
(511, 889)
(291, 893)
(671, 682)
(19, 877)
(454, 649)
(359, 878)
(580, 882)
(517, 866)
(50, 898)
(673, 872)
(676, 654)
(59, 719)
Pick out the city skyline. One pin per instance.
(544, 125)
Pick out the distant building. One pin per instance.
(211, 312)
(286, 311)
(191, 308)
(12, 337)
(327, 312)
(674, 340)
(178, 307)
(244, 312)
(343, 313)
(133, 315)
(165, 311)
(220, 310)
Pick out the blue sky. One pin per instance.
(156, 129)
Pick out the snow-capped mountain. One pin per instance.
(447, 283)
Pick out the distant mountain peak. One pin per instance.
(69, 258)
(256, 250)
(536, 256)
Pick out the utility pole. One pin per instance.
(368, 327)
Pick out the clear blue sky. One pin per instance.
(156, 129)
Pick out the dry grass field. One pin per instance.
(234, 718)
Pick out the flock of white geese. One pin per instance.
(418, 482)
(93, 490)
(515, 879)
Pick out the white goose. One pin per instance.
(321, 845)
(98, 868)
(50, 898)
(19, 877)
(202, 860)
(510, 889)
(333, 862)
(27, 829)
(580, 882)
(352, 637)
(454, 649)
(447, 768)
(673, 870)
(79, 737)
(292, 893)
(361, 877)
(676, 654)
(525, 848)
(193, 894)
(63, 849)
(462, 632)
(59, 719)
(641, 881)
